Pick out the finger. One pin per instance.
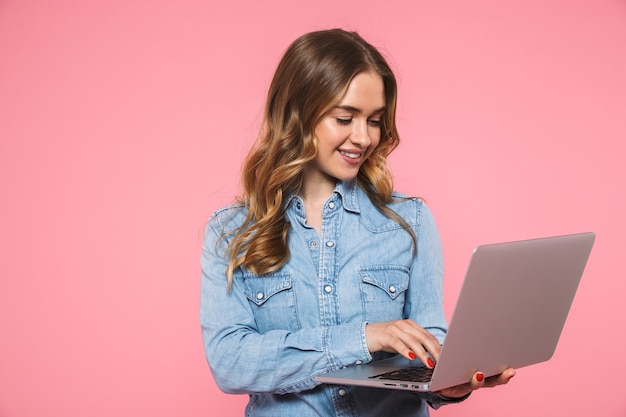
(425, 347)
(432, 347)
(500, 379)
(478, 380)
(418, 351)
(404, 337)
(401, 337)
(423, 357)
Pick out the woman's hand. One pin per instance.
(412, 341)
(404, 337)
(478, 381)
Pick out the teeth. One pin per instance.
(351, 155)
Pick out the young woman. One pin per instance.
(320, 264)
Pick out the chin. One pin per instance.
(344, 175)
(346, 178)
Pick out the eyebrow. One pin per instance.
(359, 111)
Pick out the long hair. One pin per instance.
(312, 77)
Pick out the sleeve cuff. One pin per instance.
(435, 401)
(346, 345)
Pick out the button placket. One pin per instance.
(329, 309)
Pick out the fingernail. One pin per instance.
(412, 355)
(480, 376)
(431, 363)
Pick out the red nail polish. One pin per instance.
(412, 355)
(480, 376)
(431, 363)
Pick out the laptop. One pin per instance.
(510, 313)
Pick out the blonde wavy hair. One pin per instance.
(312, 78)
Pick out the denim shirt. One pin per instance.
(270, 335)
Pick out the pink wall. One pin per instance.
(123, 124)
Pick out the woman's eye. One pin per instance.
(342, 121)
(374, 122)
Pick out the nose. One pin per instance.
(360, 135)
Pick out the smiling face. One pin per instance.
(348, 133)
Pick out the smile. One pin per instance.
(350, 154)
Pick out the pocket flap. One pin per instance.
(259, 289)
(392, 279)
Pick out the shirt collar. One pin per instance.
(347, 190)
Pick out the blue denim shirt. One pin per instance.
(272, 334)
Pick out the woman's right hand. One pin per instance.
(404, 337)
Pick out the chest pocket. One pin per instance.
(383, 290)
(272, 300)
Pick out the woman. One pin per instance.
(320, 264)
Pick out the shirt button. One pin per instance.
(260, 296)
(341, 392)
(328, 289)
(392, 289)
(313, 244)
(330, 244)
(331, 205)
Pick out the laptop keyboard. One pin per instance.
(412, 373)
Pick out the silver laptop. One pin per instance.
(510, 313)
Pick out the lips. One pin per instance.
(353, 155)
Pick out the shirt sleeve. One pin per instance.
(424, 301)
(244, 360)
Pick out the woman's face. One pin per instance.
(349, 132)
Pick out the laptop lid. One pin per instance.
(510, 313)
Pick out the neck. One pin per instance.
(316, 189)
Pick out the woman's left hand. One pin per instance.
(478, 381)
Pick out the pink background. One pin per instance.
(123, 125)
